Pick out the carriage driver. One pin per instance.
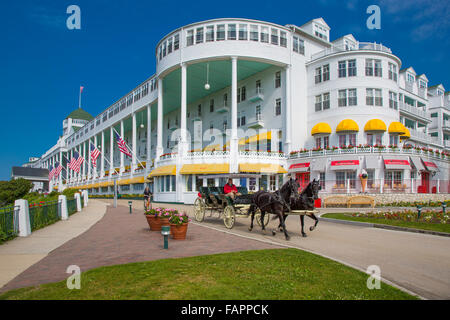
(230, 189)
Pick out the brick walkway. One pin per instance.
(120, 237)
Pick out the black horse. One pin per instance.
(306, 202)
(274, 202)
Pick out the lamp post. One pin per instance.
(444, 205)
(165, 231)
(130, 204)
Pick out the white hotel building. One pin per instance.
(253, 97)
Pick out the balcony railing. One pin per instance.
(359, 46)
(414, 111)
(358, 150)
(423, 137)
(258, 95)
(256, 122)
(262, 155)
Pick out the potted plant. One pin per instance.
(178, 225)
(157, 217)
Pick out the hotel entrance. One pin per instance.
(302, 179)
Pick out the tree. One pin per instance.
(13, 190)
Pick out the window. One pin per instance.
(378, 98)
(342, 69)
(392, 72)
(189, 183)
(238, 95)
(199, 35)
(393, 179)
(160, 52)
(225, 99)
(319, 103)
(169, 45)
(434, 115)
(241, 94)
(318, 77)
(298, 45)
(410, 78)
(374, 97)
(322, 180)
(167, 183)
(378, 69)
(209, 33)
(278, 107)
(258, 86)
(243, 34)
(231, 32)
(393, 140)
(369, 67)
(211, 105)
(164, 48)
(283, 39)
(422, 84)
(220, 33)
(326, 72)
(265, 34)
(190, 38)
(199, 109)
(258, 113)
(211, 127)
(393, 102)
(352, 99)
(351, 65)
(176, 42)
(346, 179)
(326, 142)
(342, 98)
(274, 36)
(326, 101)
(318, 143)
(254, 32)
(278, 79)
(374, 139)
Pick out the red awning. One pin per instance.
(431, 166)
(396, 163)
(299, 167)
(345, 164)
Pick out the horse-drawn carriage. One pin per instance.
(215, 200)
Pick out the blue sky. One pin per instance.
(42, 63)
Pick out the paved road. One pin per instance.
(417, 262)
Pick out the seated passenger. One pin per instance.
(230, 189)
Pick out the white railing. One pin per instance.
(355, 150)
(414, 110)
(373, 46)
(207, 154)
(262, 155)
(423, 136)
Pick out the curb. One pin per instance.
(385, 226)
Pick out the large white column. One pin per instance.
(102, 165)
(159, 137)
(134, 142)
(149, 139)
(85, 158)
(61, 173)
(234, 137)
(288, 131)
(89, 160)
(111, 151)
(183, 109)
(122, 155)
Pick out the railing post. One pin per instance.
(24, 218)
(85, 197)
(348, 185)
(78, 199)
(64, 214)
(437, 186)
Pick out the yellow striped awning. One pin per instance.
(215, 147)
(123, 182)
(96, 185)
(170, 170)
(321, 128)
(406, 135)
(137, 180)
(103, 184)
(347, 125)
(267, 135)
(241, 142)
(375, 125)
(205, 168)
(397, 128)
(261, 168)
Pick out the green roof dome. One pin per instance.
(80, 114)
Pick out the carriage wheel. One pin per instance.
(258, 218)
(199, 209)
(229, 217)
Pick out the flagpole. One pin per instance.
(79, 98)
(130, 149)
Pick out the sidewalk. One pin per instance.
(19, 254)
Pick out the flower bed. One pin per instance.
(426, 216)
(158, 217)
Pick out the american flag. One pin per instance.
(78, 163)
(51, 173)
(58, 168)
(73, 161)
(94, 155)
(122, 146)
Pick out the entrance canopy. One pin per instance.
(299, 167)
(261, 168)
(205, 168)
(431, 166)
(347, 163)
(396, 162)
(417, 162)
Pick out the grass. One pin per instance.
(440, 227)
(260, 274)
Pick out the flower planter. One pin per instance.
(156, 223)
(178, 231)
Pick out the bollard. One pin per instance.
(130, 203)
(419, 210)
(165, 231)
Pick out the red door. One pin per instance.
(425, 182)
(302, 179)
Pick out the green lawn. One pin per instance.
(399, 223)
(259, 274)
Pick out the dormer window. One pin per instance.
(410, 78)
(422, 84)
(440, 92)
(320, 32)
